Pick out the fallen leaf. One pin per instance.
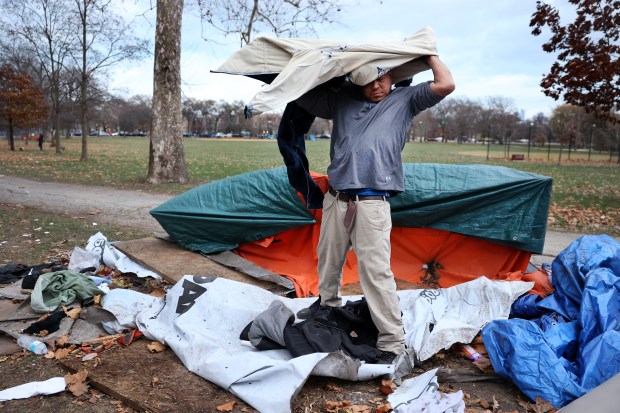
(62, 353)
(76, 383)
(384, 408)
(3, 359)
(226, 407)
(484, 404)
(97, 299)
(544, 406)
(332, 387)
(49, 355)
(332, 406)
(62, 341)
(72, 313)
(387, 387)
(154, 380)
(43, 333)
(156, 347)
(358, 408)
(495, 403)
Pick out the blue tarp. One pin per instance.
(575, 345)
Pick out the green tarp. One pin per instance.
(494, 203)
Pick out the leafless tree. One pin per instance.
(286, 18)
(104, 39)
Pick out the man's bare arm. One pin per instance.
(443, 83)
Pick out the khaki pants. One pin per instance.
(369, 235)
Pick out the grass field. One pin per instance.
(586, 194)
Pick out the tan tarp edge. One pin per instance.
(303, 64)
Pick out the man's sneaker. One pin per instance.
(386, 357)
(306, 313)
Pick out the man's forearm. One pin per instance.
(443, 83)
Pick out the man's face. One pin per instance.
(377, 90)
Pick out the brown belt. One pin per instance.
(346, 197)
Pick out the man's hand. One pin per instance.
(443, 84)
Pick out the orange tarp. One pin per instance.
(425, 256)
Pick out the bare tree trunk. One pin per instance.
(11, 136)
(166, 156)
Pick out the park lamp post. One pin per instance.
(488, 141)
(529, 140)
(590, 145)
(549, 144)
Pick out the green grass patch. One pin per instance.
(122, 162)
(32, 236)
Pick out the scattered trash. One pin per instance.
(35, 388)
(470, 352)
(32, 344)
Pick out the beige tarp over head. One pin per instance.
(302, 64)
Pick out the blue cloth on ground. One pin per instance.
(575, 345)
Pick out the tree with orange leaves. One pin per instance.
(22, 103)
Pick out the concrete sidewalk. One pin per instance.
(128, 207)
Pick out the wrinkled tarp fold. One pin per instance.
(201, 319)
(578, 345)
(494, 203)
(302, 64)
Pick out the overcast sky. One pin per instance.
(487, 44)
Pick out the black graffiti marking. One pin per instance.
(99, 244)
(191, 292)
(430, 295)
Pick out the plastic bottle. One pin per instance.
(32, 344)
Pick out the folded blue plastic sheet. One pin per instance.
(562, 360)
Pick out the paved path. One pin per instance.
(128, 207)
(115, 206)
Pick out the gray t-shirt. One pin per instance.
(367, 138)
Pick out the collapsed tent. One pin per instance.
(294, 66)
(453, 223)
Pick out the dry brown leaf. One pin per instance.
(484, 404)
(62, 353)
(495, 403)
(72, 313)
(226, 407)
(97, 299)
(43, 333)
(332, 387)
(3, 359)
(50, 355)
(544, 406)
(332, 406)
(156, 347)
(62, 341)
(154, 380)
(358, 408)
(76, 383)
(387, 387)
(384, 408)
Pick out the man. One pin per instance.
(41, 140)
(370, 125)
